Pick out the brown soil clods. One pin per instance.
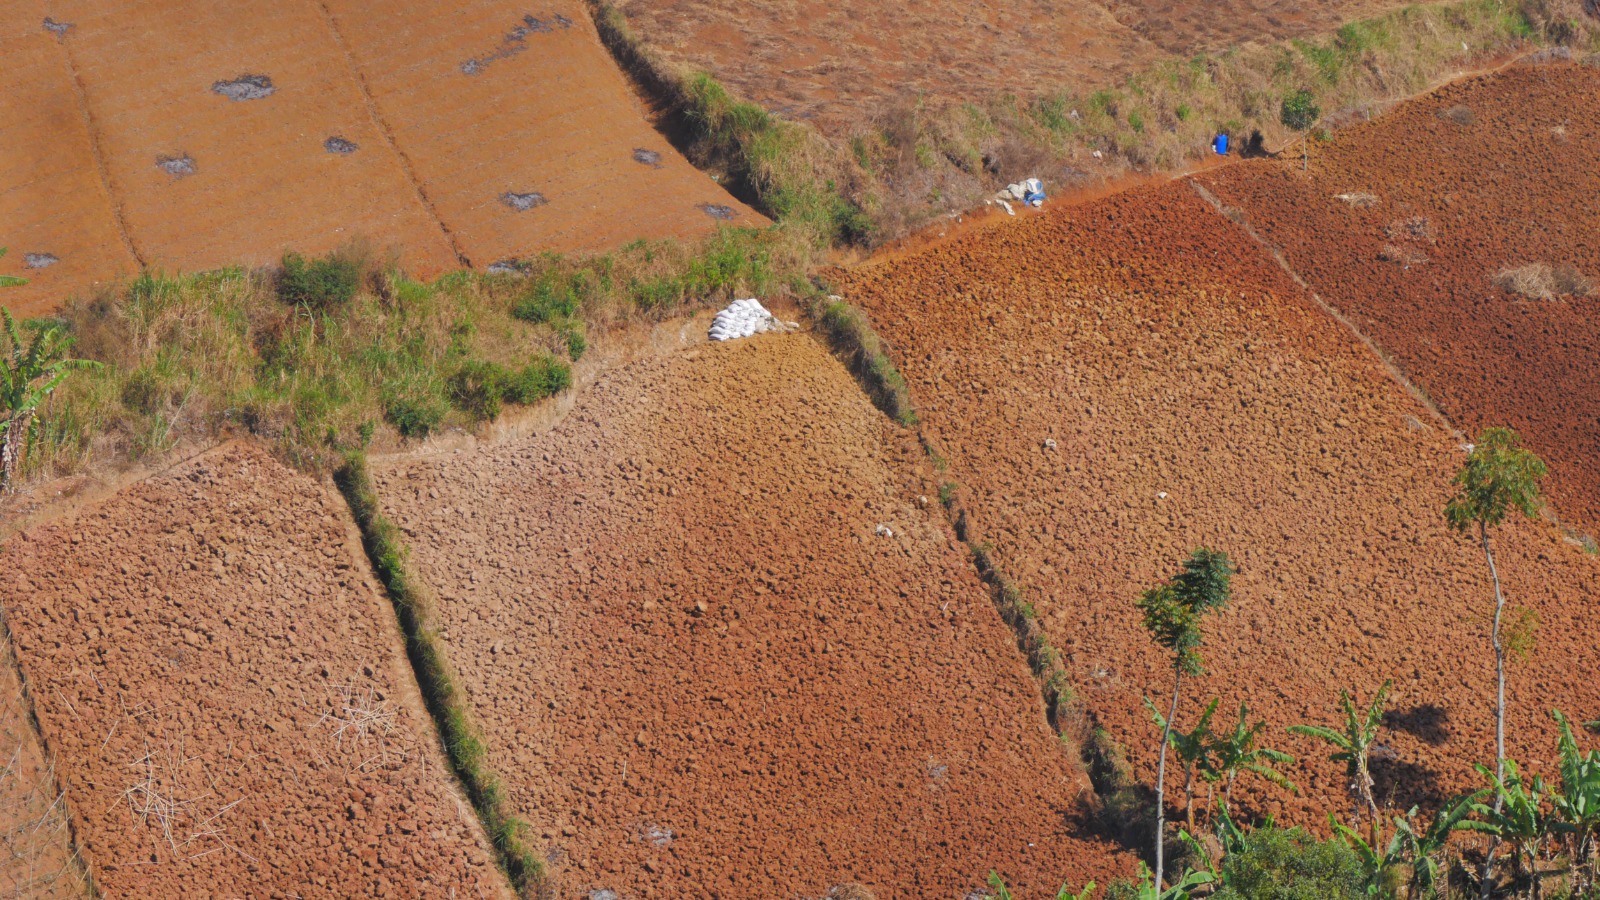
(721, 649)
(1118, 383)
(227, 699)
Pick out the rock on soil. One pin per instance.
(1196, 397)
(184, 641)
(1505, 171)
(701, 671)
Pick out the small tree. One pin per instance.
(1172, 614)
(1352, 746)
(1498, 477)
(1299, 113)
(28, 373)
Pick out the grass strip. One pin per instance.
(865, 354)
(447, 703)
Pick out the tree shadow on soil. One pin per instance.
(1427, 722)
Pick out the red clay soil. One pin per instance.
(36, 859)
(262, 180)
(1118, 383)
(702, 670)
(1482, 175)
(54, 207)
(843, 64)
(183, 642)
(484, 102)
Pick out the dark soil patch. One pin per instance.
(718, 211)
(516, 41)
(40, 260)
(523, 202)
(245, 87)
(177, 166)
(340, 145)
(59, 29)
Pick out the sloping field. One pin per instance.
(55, 215)
(226, 134)
(227, 697)
(210, 175)
(1118, 383)
(520, 128)
(843, 65)
(1484, 175)
(35, 846)
(703, 668)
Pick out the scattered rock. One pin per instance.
(180, 166)
(245, 87)
(523, 202)
(40, 260)
(340, 145)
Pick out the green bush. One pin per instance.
(1289, 864)
(545, 377)
(318, 284)
(477, 388)
(551, 296)
(575, 336)
(415, 416)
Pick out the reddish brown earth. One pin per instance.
(52, 200)
(433, 150)
(1482, 175)
(36, 859)
(1194, 396)
(843, 64)
(183, 642)
(704, 673)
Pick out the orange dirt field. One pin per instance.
(843, 64)
(186, 135)
(36, 858)
(228, 699)
(1483, 175)
(704, 669)
(1117, 383)
(53, 203)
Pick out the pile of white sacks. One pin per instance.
(743, 318)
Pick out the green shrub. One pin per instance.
(416, 415)
(1289, 864)
(545, 377)
(318, 284)
(477, 388)
(551, 296)
(575, 336)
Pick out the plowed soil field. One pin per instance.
(1484, 175)
(488, 99)
(226, 134)
(722, 650)
(843, 65)
(55, 215)
(1118, 383)
(228, 699)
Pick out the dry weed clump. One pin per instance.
(1358, 199)
(169, 796)
(1541, 281)
(35, 857)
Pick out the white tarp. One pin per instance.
(743, 318)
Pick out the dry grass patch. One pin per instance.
(1541, 281)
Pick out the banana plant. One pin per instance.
(1193, 749)
(28, 373)
(1181, 889)
(1577, 805)
(1409, 847)
(1519, 816)
(1352, 746)
(1237, 752)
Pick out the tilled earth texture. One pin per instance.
(35, 844)
(1440, 196)
(721, 649)
(56, 217)
(226, 134)
(227, 696)
(843, 65)
(1118, 383)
